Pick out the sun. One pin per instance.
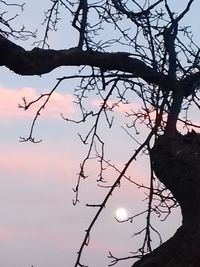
(121, 214)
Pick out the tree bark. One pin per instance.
(40, 61)
(176, 162)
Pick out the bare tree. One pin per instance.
(153, 58)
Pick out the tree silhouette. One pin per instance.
(148, 54)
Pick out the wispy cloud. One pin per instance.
(11, 98)
(37, 163)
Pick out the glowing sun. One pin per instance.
(121, 214)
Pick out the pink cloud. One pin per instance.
(6, 233)
(39, 163)
(11, 98)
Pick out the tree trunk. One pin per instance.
(176, 162)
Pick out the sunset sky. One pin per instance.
(39, 226)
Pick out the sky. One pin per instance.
(39, 226)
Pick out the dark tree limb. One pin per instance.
(40, 61)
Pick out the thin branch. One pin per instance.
(109, 194)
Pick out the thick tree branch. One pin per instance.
(39, 61)
(191, 83)
(120, 7)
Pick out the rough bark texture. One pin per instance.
(177, 164)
